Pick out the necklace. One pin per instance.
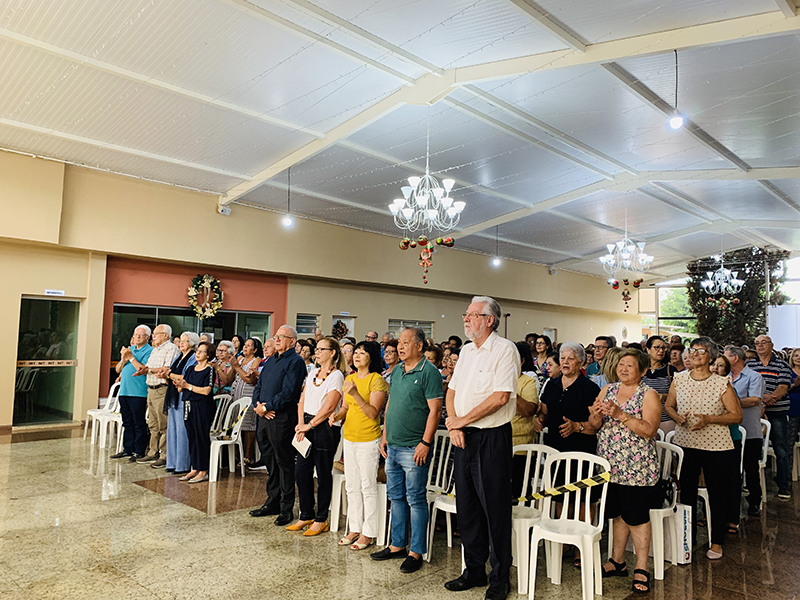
(321, 381)
(703, 379)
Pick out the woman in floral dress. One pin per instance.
(626, 415)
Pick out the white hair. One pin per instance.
(147, 330)
(228, 345)
(291, 329)
(493, 308)
(167, 329)
(193, 338)
(575, 348)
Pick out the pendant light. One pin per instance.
(676, 120)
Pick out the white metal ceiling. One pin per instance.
(210, 93)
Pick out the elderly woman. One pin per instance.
(391, 358)
(659, 375)
(365, 394)
(626, 415)
(306, 352)
(197, 393)
(246, 369)
(676, 357)
(223, 371)
(703, 404)
(178, 460)
(320, 399)
(722, 367)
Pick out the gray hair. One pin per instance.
(419, 335)
(228, 345)
(167, 329)
(147, 330)
(710, 346)
(291, 329)
(193, 338)
(493, 309)
(575, 348)
(737, 351)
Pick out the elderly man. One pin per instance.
(481, 401)
(777, 377)
(385, 339)
(601, 345)
(161, 357)
(372, 336)
(749, 387)
(133, 394)
(275, 399)
(318, 335)
(412, 414)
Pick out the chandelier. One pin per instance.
(626, 254)
(722, 281)
(426, 205)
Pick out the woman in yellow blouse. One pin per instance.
(365, 392)
(522, 427)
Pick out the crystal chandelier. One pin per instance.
(426, 205)
(626, 254)
(722, 281)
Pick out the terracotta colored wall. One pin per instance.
(132, 281)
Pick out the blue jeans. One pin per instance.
(406, 485)
(780, 444)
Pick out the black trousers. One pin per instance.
(198, 425)
(280, 457)
(752, 454)
(718, 466)
(483, 500)
(136, 437)
(324, 441)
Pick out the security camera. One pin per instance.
(553, 271)
(224, 209)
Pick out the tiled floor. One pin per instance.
(75, 525)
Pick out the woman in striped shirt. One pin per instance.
(659, 375)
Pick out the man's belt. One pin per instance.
(157, 387)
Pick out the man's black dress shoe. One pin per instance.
(122, 454)
(284, 519)
(134, 457)
(465, 583)
(411, 564)
(265, 511)
(498, 592)
(387, 553)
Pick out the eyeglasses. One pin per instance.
(763, 343)
(658, 348)
(279, 336)
(321, 349)
(699, 351)
(371, 338)
(473, 315)
(601, 347)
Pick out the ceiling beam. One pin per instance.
(681, 206)
(152, 81)
(554, 27)
(117, 148)
(687, 199)
(778, 194)
(754, 174)
(265, 15)
(788, 7)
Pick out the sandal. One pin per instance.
(346, 541)
(644, 584)
(733, 529)
(619, 570)
(355, 546)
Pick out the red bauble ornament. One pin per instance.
(422, 240)
(413, 244)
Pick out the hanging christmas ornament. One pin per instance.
(426, 251)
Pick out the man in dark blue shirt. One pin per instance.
(275, 400)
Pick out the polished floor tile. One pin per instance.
(74, 524)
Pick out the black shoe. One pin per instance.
(411, 564)
(134, 457)
(754, 510)
(122, 454)
(387, 553)
(464, 583)
(169, 470)
(265, 511)
(498, 592)
(784, 494)
(284, 519)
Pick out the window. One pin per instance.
(397, 325)
(306, 324)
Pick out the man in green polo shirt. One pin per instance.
(412, 415)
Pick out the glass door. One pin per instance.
(44, 388)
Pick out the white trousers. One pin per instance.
(361, 484)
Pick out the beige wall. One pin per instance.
(83, 215)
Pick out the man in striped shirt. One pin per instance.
(777, 379)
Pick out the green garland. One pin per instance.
(207, 288)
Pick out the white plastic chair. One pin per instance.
(104, 408)
(574, 526)
(339, 495)
(235, 412)
(659, 435)
(525, 515)
(669, 435)
(670, 458)
(766, 428)
(111, 420)
(223, 403)
(441, 489)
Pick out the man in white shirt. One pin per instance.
(163, 354)
(481, 401)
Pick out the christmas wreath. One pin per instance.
(205, 296)
(339, 330)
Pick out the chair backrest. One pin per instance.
(668, 437)
(21, 372)
(670, 459)
(236, 411)
(660, 435)
(533, 476)
(440, 473)
(743, 436)
(766, 427)
(26, 384)
(223, 403)
(543, 435)
(112, 402)
(575, 466)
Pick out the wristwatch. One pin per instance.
(580, 423)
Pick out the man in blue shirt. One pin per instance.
(275, 399)
(132, 368)
(601, 345)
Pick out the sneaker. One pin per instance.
(784, 494)
(147, 459)
(134, 457)
(255, 467)
(159, 464)
(122, 454)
